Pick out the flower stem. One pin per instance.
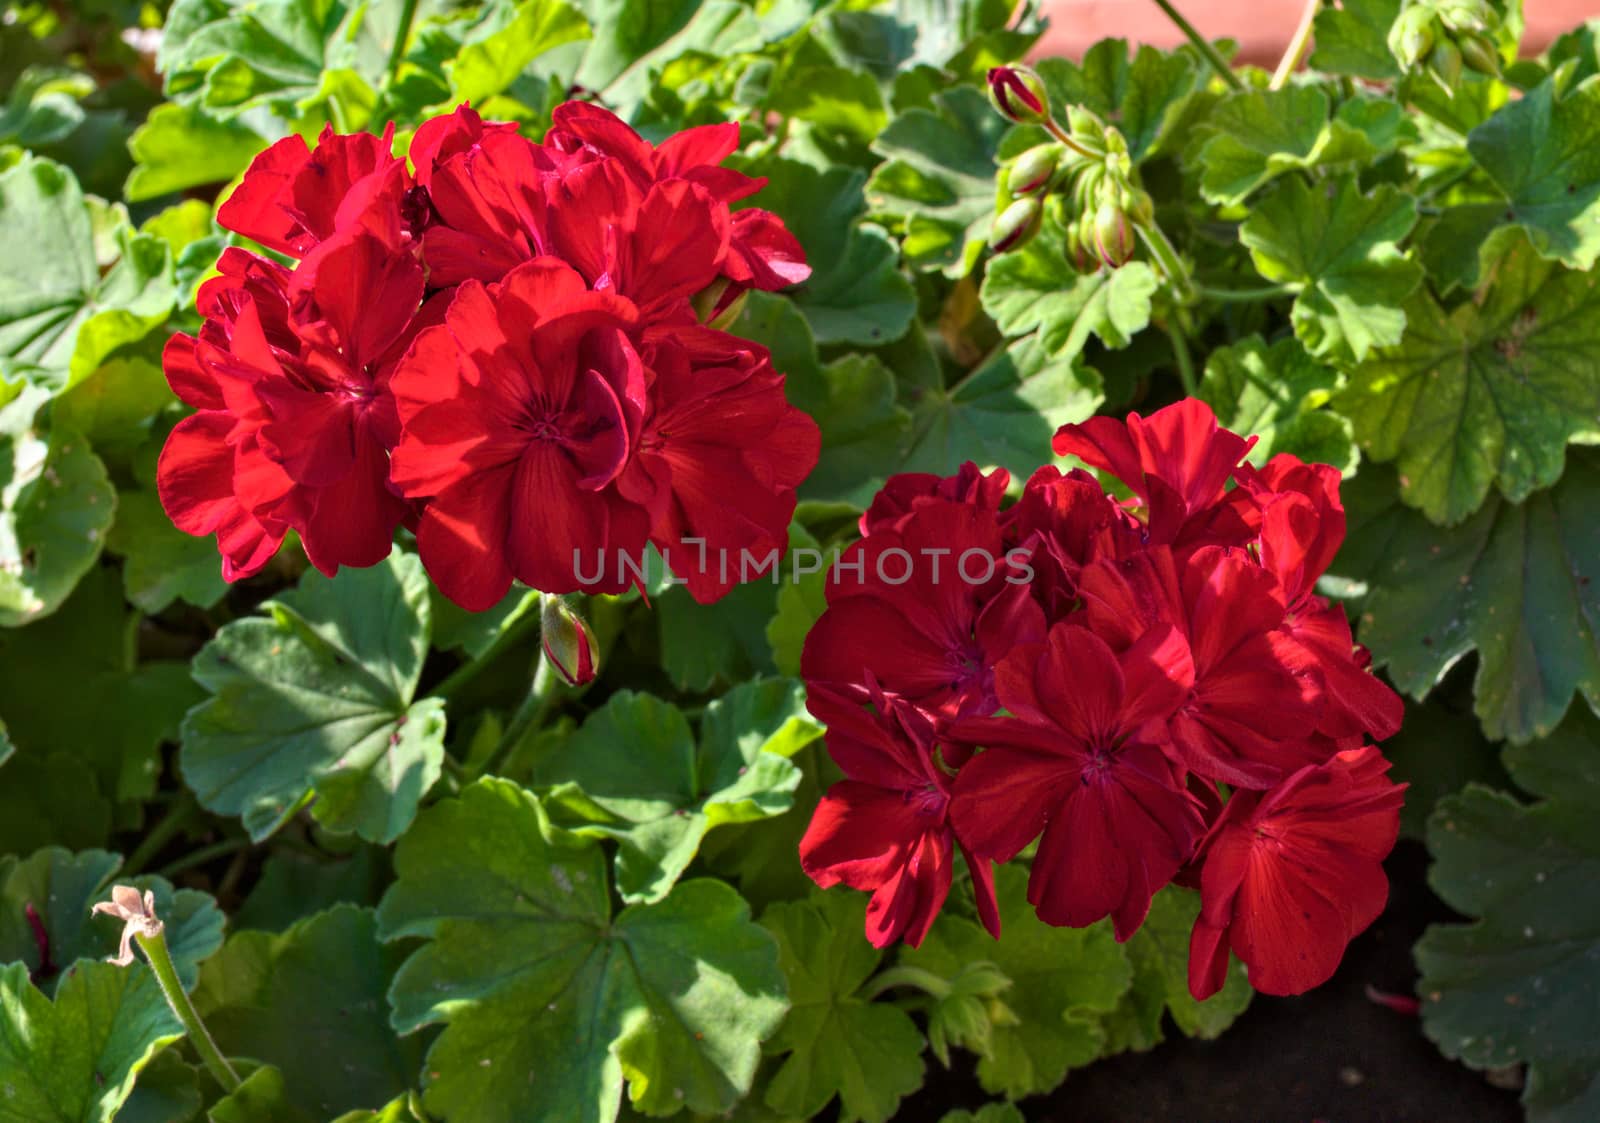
(1180, 351)
(155, 950)
(1169, 261)
(542, 692)
(1246, 296)
(176, 818)
(402, 32)
(201, 856)
(905, 976)
(463, 675)
(1054, 128)
(1201, 44)
(1297, 46)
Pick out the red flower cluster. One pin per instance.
(1099, 676)
(502, 345)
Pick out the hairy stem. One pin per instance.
(1201, 44)
(178, 817)
(904, 976)
(1290, 62)
(155, 950)
(1167, 258)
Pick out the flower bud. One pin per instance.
(1078, 255)
(1445, 64)
(1019, 95)
(1113, 236)
(1467, 15)
(568, 642)
(1140, 207)
(1413, 35)
(1016, 225)
(1479, 53)
(1031, 172)
(1086, 127)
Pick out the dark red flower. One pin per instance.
(1063, 522)
(490, 198)
(440, 138)
(903, 493)
(928, 608)
(1081, 759)
(518, 414)
(1290, 876)
(886, 829)
(1178, 462)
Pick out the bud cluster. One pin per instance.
(1086, 168)
(1446, 36)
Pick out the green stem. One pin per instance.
(1297, 46)
(1201, 44)
(463, 675)
(542, 693)
(402, 32)
(1169, 261)
(1054, 128)
(906, 976)
(1246, 296)
(162, 833)
(1180, 350)
(155, 950)
(201, 856)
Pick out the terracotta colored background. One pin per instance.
(1262, 27)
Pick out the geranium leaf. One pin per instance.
(835, 1042)
(1340, 246)
(52, 799)
(938, 179)
(168, 1091)
(634, 772)
(1518, 583)
(315, 991)
(1063, 981)
(1353, 39)
(1517, 985)
(1144, 96)
(183, 146)
(1037, 289)
(1159, 955)
(708, 645)
(531, 972)
(317, 700)
(1258, 135)
(56, 505)
(1487, 395)
(161, 564)
(988, 1113)
(1544, 156)
(1004, 412)
(502, 46)
(1277, 393)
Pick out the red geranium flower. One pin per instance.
(1291, 876)
(1081, 759)
(887, 829)
(907, 491)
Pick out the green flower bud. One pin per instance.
(1018, 94)
(1445, 64)
(1114, 239)
(1413, 35)
(1086, 128)
(1078, 254)
(1467, 15)
(1032, 172)
(1140, 207)
(1016, 225)
(1479, 53)
(568, 642)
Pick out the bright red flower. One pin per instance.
(298, 365)
(903, 493)
(490, 199)
(1291, 876)
(1063, 522)
(518, 414)
(1081, 760)
(886, 829)
(1178, 462)
(929, 608)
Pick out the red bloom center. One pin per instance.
(929, 801)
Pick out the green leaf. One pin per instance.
(1544, 156)
(1438, 751)
(509, 38)
(1277, 393)
(1353, 39)
(51, 799)
(1258, 135)
(531, 972)
(476, 632)
(263, 1097)
(1037, 289)
(63, 886)
(42, 107)
(1063, 981)
(1340, 245)
(764, 857)
(707, 645)
(1487, 395)
(161, 563)
(836, 1042)
(183, 146)
(633, 772)
(938, 178)
(988, 1113)
(1517, 985)
(1159, 955)
(115, 406)
(316, 701)
(1520, 584)
(54, 298)
(56, 505)
(77, 1058)
(168, 1091)
(1003, 413)
(292, 885)
(1146, 96)
(314, 992)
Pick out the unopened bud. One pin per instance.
(1467, 15)
(1016, 225)
(1086, 127)
(1019, 95)
(568, 642)
(1445, 64)
(1479, 53)
(1140, 207)
(1413, 35)
(1113, 236)
(1031, 172)
(1078, 255)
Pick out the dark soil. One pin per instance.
(1332, 1056)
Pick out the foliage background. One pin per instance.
(586, 889)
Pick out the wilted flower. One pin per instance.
(138, 915)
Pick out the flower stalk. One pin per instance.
(1202, 44)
